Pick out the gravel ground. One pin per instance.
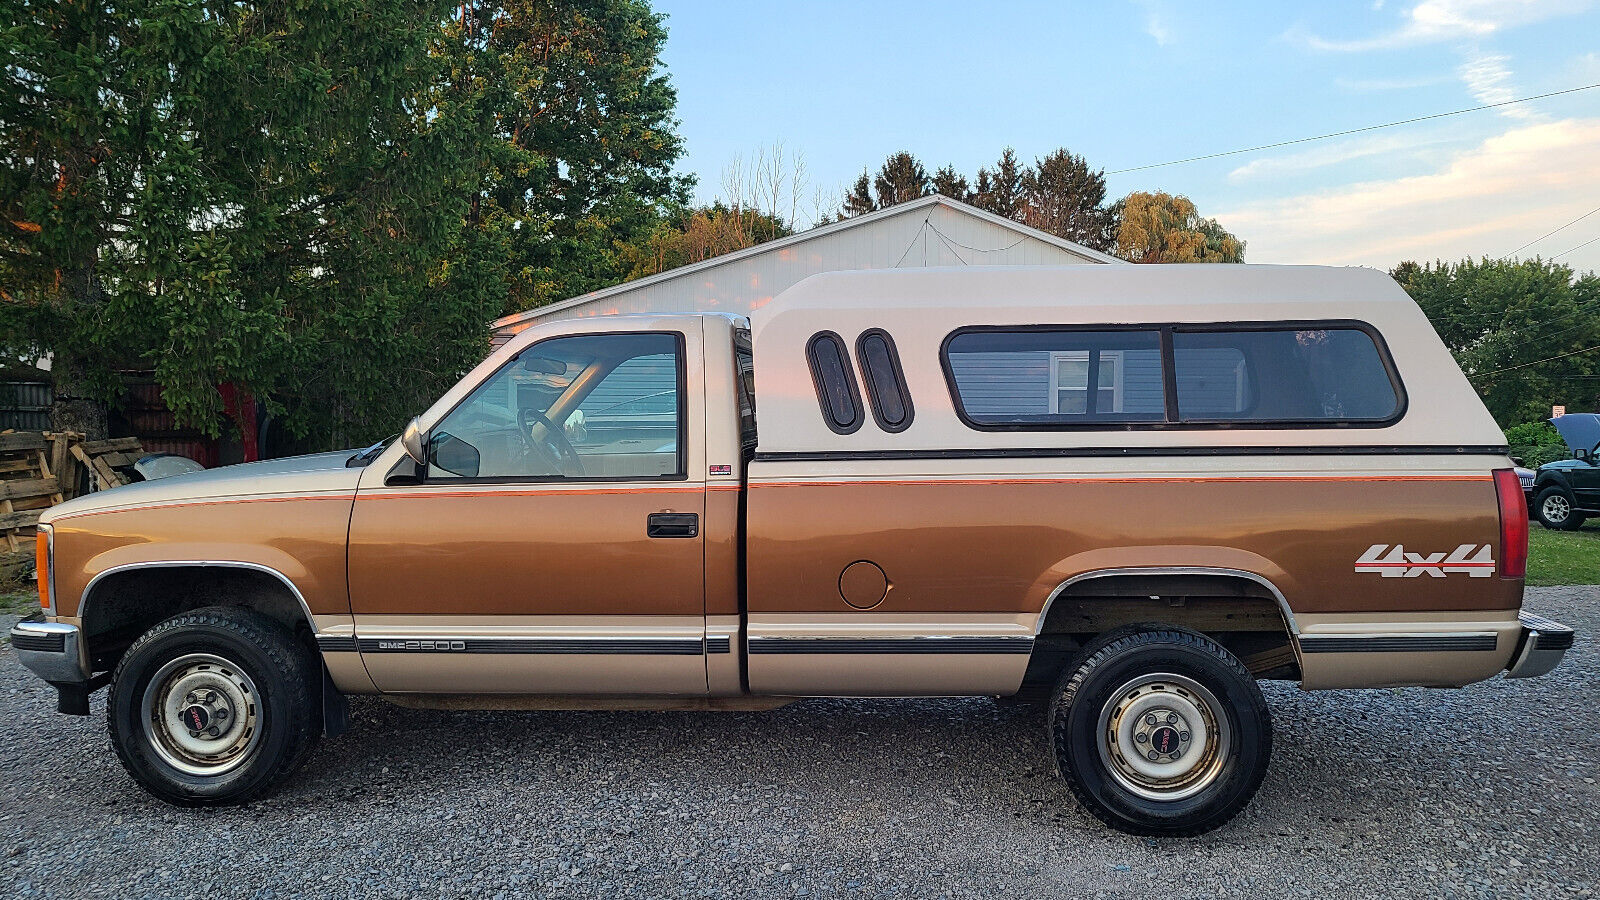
(1487, 791)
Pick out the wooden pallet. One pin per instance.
(28, 486)
(104, 458)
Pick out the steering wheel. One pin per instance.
(555, 449)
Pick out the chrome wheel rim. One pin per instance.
(201, 713)
(1164, 737)
(1556, 508)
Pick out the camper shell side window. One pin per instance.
(1318, 374)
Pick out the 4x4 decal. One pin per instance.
(1476, 560)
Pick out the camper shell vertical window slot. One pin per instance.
(835, 382)
(886, 382)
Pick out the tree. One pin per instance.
(1000, 191)
(699, 234)
(1163, 228)
(240, 193)
(902, 178)
(950, 183)
(859, 200)
(1063, 196)
(585, 137)
(1525, 332)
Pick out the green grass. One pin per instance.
(1563, 557)
(18, 602)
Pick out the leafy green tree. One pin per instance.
(585, 139)
(1527, 333)
(1536, 443)
(694, 235)
(1163, 228)
(243, 193)
(1063, 196)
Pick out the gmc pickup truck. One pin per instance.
(1129, 491)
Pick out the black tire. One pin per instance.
(278, 705)
(1225, 780)
(1572, 521)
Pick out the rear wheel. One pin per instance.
(1557, 508)
(214, 707)
(1160, 731)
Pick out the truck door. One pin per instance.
(554, 543)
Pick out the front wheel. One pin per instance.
(214, 707)
(1160, 731)
(1557, 508)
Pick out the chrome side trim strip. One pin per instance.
(1400, 643)
(587, 644)
(1283, 604)
(88, 591)
(921, 644)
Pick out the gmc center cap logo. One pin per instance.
(1394, 562)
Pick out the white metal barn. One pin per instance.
(932, 231)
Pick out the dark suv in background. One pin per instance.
(1566, 492)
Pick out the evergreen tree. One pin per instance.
(859, 200)
(1000, 191)
(950, 183)
(1066, 198)
(902, 178)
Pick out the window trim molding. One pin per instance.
(874, 400)
(848, 368)
(1168, 330)
(680, 351)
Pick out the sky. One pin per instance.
(1129, 83)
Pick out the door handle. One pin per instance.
(673, 525)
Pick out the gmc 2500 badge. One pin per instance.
(1394, 562)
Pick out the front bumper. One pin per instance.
(1544, 642)
(53, 650)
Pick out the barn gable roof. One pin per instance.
(921, 207)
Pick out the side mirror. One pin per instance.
(413, 440)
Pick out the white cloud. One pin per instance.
(1328, 155)
(1441, 20)
(1155, 22)
(1485, 201)
(1488, 79)
(1368, 85)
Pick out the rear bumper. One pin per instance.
(1544, 642)
(54, 651)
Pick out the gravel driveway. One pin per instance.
(1487, 791)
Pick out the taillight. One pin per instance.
(42, 564)
(1513, 524)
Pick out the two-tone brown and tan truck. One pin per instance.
(1132, 490)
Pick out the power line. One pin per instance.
(1579, 247)
(1548, 233)
(1323, 137)
(1537, 362)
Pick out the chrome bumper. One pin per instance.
(53, 650)
(1543, 643)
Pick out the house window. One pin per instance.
(1069, 376)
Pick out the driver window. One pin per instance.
(602, 406)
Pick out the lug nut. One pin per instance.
(223, 714)
(213, 732)
(1150, 719)
(1182, 735)
(1141, 737)
(1154, 756)
(192, 698)
(1172, 718)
